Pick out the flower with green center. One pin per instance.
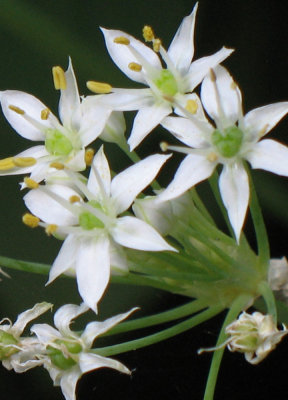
(68, 354)
(167, 87)
(235, 138)
(94, 230)
(82, 121)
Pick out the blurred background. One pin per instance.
(35, 36)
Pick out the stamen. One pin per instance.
(148, 33)
(24, 161)
(121, 40)
(191, 106)
(164, 146)
(156, 45)
(57, 165)
(30, 220)
(99, 87)
(30, 183)
(45, 113)
(6, 163)
(89, 155)
(59, 78)
(16, 109)
(74, 199)
(212, 157)
(135, 66)
(50, 229)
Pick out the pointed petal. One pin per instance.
(68, 383)
(45, 333)
(90, 361)
(181, 50)
(114, 129)
(234, 188)
(95, 329)
(128, 184)
(25, 317)
(200, 68)
(224, 103)
(93, 269)
(100, 178)
(147, 119)
(64, 316)
(269, 155)
(32, 108)
(261, 120)
(129, 99)
(193, 169)
(123, 56)
(133, 233)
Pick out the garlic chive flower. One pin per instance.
(82, 121)
(68, 354)
(168, 86)
(233, 139)
(94, 229)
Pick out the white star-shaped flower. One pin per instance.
(82, 121)
(167, 87)
(234, 138)
(68, 354)
(94, 231)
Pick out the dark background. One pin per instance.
(34, 36)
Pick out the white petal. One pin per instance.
(115, 128)
(123, 56)
(193, 169)
(181, 50)
(25, 317)
(100, 178)
(128, 184)
(192, 132)
(129, 99)
(224, 103)
(147, 119)
(68, 383)
(45, 333)
(269, 155)
(75, 161)
(95, 329)
(234, 188)
(64, 316)
(93, 269)
(118, 259)
(90, 361)
(261, 120)
(133, 233)
(32, 108)
(201, 67)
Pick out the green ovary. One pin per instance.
(88, 220)
(58, 358)
(57, 144)
(228, 143)
(7, 339)
(167, 83)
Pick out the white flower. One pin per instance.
(234, 139)
(254, 335)
(168, 87)
(16, 352)
(68, 354)
(94, 232)
(82, 121)
(278, 275)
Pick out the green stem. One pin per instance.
(162, 335)
(24, 265)
(232, 314)
(269, 299)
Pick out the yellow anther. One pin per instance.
(212, 157)
(148, 33)
(30, 220)
(135, 67)
(212, 75)
(121, 40)
(57, 165)
(30, 183)
(156, 45)
(89, 155)
(6, 163)
(59, 78)
(191, 106)
(164, 146)
(45, 113)
(16, 109)
(99, 87)
(50, 229)
(24, 161)
(74, 199)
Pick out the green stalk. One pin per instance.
(269, 299)
(159, 336)
(24, 265)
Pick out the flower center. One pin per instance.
(166, 83)
(57, 144)
(228, 143)
(61, 360)
(88, 220)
